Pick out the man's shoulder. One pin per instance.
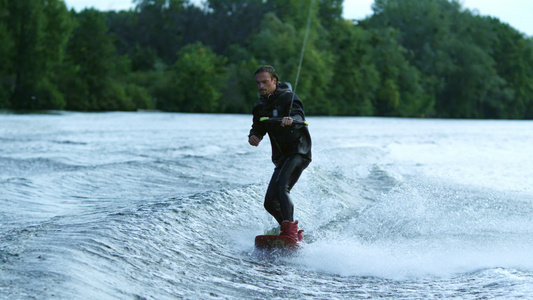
(284, 92)
(284, 86)
(284, 89)
(286, 95)
(258, 105)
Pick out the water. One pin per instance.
(166, 206)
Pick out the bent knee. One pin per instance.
(283, 188)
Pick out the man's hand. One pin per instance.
(254, 140)
(286, 121)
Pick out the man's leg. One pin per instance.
(272, 197)
(288, 176)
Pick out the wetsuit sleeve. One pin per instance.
(258, 128)
(297, 111)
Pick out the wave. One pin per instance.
(421, 227)
(21, 167)
(179, 221)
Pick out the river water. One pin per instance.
(167, 205)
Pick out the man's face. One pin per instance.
(265, 83)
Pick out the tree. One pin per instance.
(239, 90)
(411, 58)
(330, 13)
(6, 54)
(423, 28)
(400, 92)
(57, 28)
(452, 49)
(26, 20)
(159, 26)
(90, 81)
(514, 63)
(231, 23)
(356, 79)
(40, 30)
(279, 43)
(196, 80)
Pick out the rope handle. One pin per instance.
(278, 120)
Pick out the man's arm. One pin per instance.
(258, 129)
(294, 106)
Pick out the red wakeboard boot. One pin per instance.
(290, 229)
(300, 232)
(300, 235)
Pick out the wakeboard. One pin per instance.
(275, 242)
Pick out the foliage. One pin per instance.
(95, 69)
(356, 78)
(6, 53)
(195, 81)
(39, 31)
(457, 52)
(411, 58)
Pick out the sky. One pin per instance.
(517, 13)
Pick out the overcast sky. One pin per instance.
(518, 13)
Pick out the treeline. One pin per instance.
(411, 58)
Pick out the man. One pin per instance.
(291, 144)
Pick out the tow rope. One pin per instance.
(306, 36)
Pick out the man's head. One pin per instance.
(266, 80)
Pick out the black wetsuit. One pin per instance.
(291, 147)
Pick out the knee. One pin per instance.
(267, 205)
(283, 188)
(272, 206)
(270, 201)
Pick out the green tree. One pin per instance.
(239, 91)
(276, 44)
(231, 23)
(196, 81)
(26, 20)
(91, 75)
(40, 30)
(356, 79)
(514, 63)
(411, 58)
(452, 50)
(472, 82)
(330, 13)
(279, 43)
(423, 28)
(6, 54)
(57, 28)
(400, 92)
(159, 26)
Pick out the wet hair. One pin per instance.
(269, 69)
